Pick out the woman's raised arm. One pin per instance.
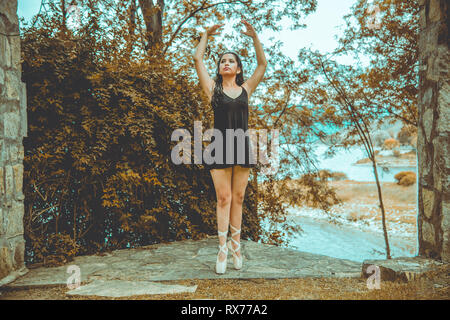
(258, 74)
(205, 80)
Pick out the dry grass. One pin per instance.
(360, 199)
(399, 201)
(392, 193)
(349, 190)
(432, 285)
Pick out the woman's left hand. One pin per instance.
(250, 30)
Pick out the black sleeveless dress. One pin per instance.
(232, 113)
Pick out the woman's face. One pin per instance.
(228, 65)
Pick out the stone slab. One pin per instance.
(183, 260)
(121, 288)
(55, 275)
(13, 276)
(402, 268)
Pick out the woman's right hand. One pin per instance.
(211, 31)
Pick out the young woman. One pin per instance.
(229, 95)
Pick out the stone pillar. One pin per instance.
(13, 127)
(433, 141)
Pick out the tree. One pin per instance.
(387, 32)
(152, 15)
(345, 100)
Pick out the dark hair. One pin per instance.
(218, 89)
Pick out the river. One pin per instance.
(350, 241)
(347, 242)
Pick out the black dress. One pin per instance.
(232, 113)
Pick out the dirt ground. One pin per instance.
(434, 285)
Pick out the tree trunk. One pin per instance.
(383, 218)
(255, 182)
(153, 21)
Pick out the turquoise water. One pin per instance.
(344, 242)
(343, 161)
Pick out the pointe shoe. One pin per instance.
(221, 266)
(237, 261)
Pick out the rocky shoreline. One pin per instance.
(408, 159)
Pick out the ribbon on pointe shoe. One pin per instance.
(221, 266)
(237, 261)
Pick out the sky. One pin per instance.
(322, 27)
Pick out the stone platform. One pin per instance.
(138, 271)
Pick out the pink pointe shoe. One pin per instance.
(221, 266)
(237, 261)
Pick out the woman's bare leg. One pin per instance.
(239, 181)
(222, 185)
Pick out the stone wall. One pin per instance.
(13, 127)
(433, 141)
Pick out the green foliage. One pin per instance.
(392, 47)
(53, 249)
(332, 176)
(336, 176)
(406, 134)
